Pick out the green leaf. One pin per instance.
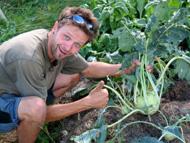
(149, 7)
(97, 135)
(174, 3)
(161, 12)
(171, 38)
(140, 6)
(182, 69)
(152, 24)
(114, 57)
(166, 39)
(122, 9)
(146, 139)
(141, 23)
(2, 16)
(104, 42)
(100, 121)
(172, 132)
(126, 40)
(181, 17)
(164, 11)
(87, 136)
(188, 41)
(103, 134)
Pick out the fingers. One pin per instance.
(98, 87)
(149, 68)
(98, 97)
(132, 68)
(136, 63)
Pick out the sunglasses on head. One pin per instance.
(81, 20)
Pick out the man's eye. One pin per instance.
(66, 37)
(77, 45)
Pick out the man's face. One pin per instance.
(66, 41)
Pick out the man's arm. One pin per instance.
(100, 69)
(97, 98)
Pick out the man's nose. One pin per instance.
(68, 46)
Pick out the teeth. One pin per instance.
(60, 48)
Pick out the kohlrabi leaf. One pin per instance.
(87, 136)
(166, 39)
(125, 39)
(103, 134)
(182, 69)
(162, 13)
(140, 7)
(172, 132)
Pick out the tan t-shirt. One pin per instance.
(25, 69)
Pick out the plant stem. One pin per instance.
(168, 64)
(129, 114)
(123, 101)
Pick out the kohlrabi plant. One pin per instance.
(157, 44)
(152, 34)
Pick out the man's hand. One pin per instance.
(131, 69)
(98, 97)
(149, 68)
(128, 70)
(134, 65)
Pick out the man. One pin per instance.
(41, 63)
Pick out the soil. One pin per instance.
(175, 104)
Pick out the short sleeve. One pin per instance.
(30, 79)
(74, 64)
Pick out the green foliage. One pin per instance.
(97, 135)
(145, 30)
(126, 39)
(86, 137)
(169, 35)
(171, 132)
(50, 133)
(25, 15)
(2, 17)
(128, 30)
(44, 135)
(182, 69)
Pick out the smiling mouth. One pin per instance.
(62, 51)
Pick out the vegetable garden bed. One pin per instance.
(175, 104)
(156, 32)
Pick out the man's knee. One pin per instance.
(32, 109)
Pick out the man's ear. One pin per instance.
(55, 26)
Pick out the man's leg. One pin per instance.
(97, 98)
(32, 110)
(64, 82)
(32, 114)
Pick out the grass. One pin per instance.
(25, 15)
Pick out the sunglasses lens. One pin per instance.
(80, 20)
